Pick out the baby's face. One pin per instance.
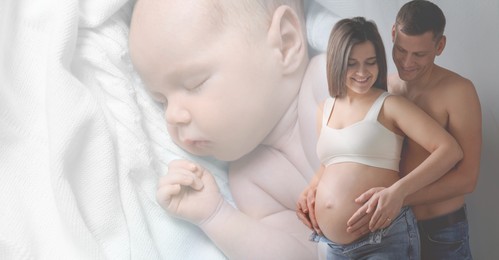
(217, 83)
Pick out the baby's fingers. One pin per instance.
(181, 177)
(186, 165)
(165, 193)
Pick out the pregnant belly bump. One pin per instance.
(336, 193)
(332, 214)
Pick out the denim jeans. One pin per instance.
(398, 241)
(450, 243)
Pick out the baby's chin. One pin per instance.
(222, 152)
(225, 155)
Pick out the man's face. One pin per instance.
(216, 82)
(413, 55)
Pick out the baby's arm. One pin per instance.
(266, 227)
(305, 206)
(265, 187)
(313, 91)
(189, 192)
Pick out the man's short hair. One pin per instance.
(420, 16)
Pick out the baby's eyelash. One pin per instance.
(197, 87)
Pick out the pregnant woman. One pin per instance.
(361, 132)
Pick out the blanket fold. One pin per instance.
(82, 144)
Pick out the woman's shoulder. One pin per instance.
(391, 97)
(396, 103)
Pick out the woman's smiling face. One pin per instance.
(362, 70)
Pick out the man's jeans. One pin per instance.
(445, 242)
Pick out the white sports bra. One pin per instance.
(367, 141)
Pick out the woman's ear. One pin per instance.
(286, 34)
(394, 32)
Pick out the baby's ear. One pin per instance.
(286, 34)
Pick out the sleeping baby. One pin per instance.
(236, 84)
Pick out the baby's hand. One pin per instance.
(189, 192)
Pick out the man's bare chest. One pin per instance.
(434, 107)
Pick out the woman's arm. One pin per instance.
(305, 206)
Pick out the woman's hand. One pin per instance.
(305, 208)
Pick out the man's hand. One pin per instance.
(189, 192)
(305, 208)
(359, 222)
(383, 203)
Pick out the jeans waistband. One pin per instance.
(445, 220)
(372, 237)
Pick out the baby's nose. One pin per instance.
(176, 115)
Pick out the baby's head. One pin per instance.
(248, 13)
(227, 71)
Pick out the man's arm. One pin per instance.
(465, 124)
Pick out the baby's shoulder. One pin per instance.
(316, 69)
(318, 61)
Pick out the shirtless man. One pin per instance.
(453, 102)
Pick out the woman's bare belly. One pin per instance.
(338, 188)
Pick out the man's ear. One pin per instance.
(441, 44)
(286, 35)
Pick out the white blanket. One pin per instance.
(81, 143)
